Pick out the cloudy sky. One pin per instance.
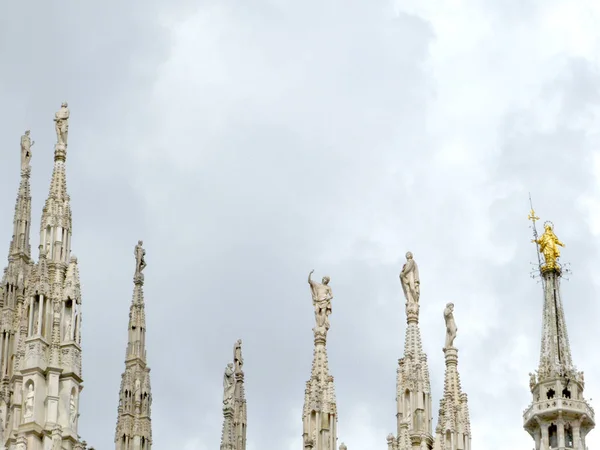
(248, 142)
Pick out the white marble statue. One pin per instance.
(228, 385)
(450, 325)
(140, 262)
(238, 360)
(29, 401)
(409, 278)
(68, 333)
(322, 296)
(61, 117)
(72, 410)
(26, 144)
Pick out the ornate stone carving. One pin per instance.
(228, 385)
(61, 119)
(409, 278)
(532, 381)
(450, 325)
(322, 296)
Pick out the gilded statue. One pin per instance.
(451, 328)
(409, 277)
(321, 296)
(549, 244)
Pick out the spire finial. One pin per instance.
(26, 144)
(321, 296)
(140, 262)
(61, 119)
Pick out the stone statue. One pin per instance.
(61, 117)
(140, 262)
(137, 391)
(36, 325)
(531, 381)
(21, 446)
(343, 446)
(549, 244)
(72, 410)
(450, 325)
(68, 333)
(29, 400)
(409, 278)
(322, 296)
(238, 360)
(26, 144)
(228, 385)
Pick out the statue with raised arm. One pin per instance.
(140, 261)
(61, 117)
(321, 296)
(549, 244)
(409, 278)
(450, 325)
(26, 144)
(238, 361)
(228, 385)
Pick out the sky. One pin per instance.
(248, 142)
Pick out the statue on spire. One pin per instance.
(26, 144)
(140, 262)
(549, 244)
(238, 360)
(228, 385)
(61, 117)
(409, 277)
(451, 328)
(321, 295)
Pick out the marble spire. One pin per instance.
(233, 435)
(12, 287)
(46, 369)
(319, 415)
(559, 415)
(413, 388)
(453, 431)
(134, 424)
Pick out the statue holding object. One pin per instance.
(321, 296)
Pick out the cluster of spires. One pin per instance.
(40, 351)
(40, 331)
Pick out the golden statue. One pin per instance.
(549, 244)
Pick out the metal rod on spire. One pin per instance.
(533, 218)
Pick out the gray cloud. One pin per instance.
(248, 143)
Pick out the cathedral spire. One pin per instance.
(559, 416)
(234, 403)
(319, 415)
(413, 388)
(134, 427)
(56, 224)
(46, 379)
(22, 220)
(12, 287)
(453, 431)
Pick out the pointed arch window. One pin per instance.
(553, 436)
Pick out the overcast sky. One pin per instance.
(248, 142)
